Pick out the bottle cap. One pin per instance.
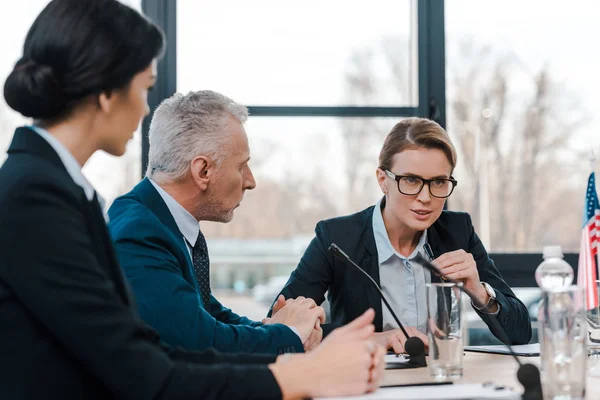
(552, 251)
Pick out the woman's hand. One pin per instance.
(395, 339)
(461, 266)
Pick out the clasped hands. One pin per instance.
(348, 362)
(304, 315)
(301, 313)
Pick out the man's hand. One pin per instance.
(348, 362)
(395, 339)
(301, 313)
(461, 266)
(377, 369)
(315, 337)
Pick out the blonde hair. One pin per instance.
(413, 133)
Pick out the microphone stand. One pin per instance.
(414, 346)
(527, 374)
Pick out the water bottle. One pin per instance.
(554, 272)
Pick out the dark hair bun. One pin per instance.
(33, 90)
(100, 46)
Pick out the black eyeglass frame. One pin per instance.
(423, 182)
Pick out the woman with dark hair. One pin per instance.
(416, 163)
(70, 329)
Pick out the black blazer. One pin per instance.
(349, 292)
(69, 328)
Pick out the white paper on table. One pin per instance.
(532, 349)
(441, 392)
(395, 359)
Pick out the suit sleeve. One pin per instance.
(212, 356)
(169, 303)
(225, 315)
(314, 274)
(50, 265)
(513, 314)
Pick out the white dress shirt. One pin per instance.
(187, 224)
(402, 281)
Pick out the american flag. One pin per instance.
(587, 273)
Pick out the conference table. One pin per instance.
(481, 368)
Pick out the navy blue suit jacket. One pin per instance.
(157, 264)
(350, 294)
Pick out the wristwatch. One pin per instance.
(492, 293)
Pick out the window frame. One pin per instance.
(516, 268)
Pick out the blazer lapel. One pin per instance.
(150, 197)
(370, 263)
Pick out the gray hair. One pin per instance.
(186, 126)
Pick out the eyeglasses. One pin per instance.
(411, 185)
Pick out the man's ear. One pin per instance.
(202, 169)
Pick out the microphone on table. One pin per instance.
(414, 346)
(527, 374)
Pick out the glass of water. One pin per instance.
(444, 330)
(563, 339)
(593, 318)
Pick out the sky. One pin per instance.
(296, 53)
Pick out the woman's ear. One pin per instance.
(105, 101)
(381, 181)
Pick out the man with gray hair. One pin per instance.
(197, 171)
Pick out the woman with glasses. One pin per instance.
(415, 175)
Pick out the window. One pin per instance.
(521, 100)
(325, 82)
(306, 169)
(299, 53)
(520, 84)
(111, 176)
(15, 20)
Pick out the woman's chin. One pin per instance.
(116, 150)
(421, 225)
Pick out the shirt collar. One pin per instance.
(187, 224)
(385, 250)
(70, 163)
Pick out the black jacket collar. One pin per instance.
(26, 140)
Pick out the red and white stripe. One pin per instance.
(587, 269)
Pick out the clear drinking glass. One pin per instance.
(593, 319)
(444, 330)
(563, 340)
